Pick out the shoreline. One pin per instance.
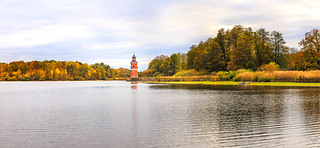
(286, 84)
(60, 80)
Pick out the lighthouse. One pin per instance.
(134, 69)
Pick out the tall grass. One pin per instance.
(228, 75)
(147, 78)
(280, 76)
(183, 78)
(190, 72)
(247, 75)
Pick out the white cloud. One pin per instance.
(102, 30)
(121, 62)
(44, 35)
(117, 45)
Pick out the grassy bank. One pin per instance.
(246, 75)
(237, 83)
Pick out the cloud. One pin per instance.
(108, 31)
(44, 35)
(117, 45)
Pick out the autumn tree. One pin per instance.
(262, 47)
(221, 40)
(214, 58)
(56, 70)
(198, 59)
(175, 64)
(191, 56)
(156, 63)
(233, 35)
(184, 64)
(310, 46)
(242, 54)
(297, 61)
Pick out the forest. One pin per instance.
(58, 70)
(239, 48)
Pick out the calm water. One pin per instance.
(118, 114)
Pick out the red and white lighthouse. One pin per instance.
(134, 68)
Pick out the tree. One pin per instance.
(214, 58)
(156, 63)
(164, 68)
(262, 47)
(184, 64)
(56, 70)
(234, 34)
(269, 67)
(221, 40)
(198, 60)
(297, 62)
(175, 64)
(232, 37)
(311, 48)
(242, 55)
(194, 56)
(278, 48)
(190, 57)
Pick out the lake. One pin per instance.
(121, 114)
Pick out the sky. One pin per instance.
(109, 31)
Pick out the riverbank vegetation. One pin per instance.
(279, 76)
(266, 73)
(242, 54)
(59, 70)
(284, 84)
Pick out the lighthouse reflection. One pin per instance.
(134, 85)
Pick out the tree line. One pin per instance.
(165, 65)
(241, 48)
(58, 70)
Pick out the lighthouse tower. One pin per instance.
(134, 69)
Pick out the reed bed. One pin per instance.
(258, 76)
(246, 76)
(183, 78)
(147, 78)
(280, 76)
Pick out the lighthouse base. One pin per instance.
(134, 79)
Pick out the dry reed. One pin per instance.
(186, 78)
(280, 76)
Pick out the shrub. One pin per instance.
(272, 66)
(221, 75)
(191, 72)
(20, 78)
(230, 76)
(246, 76)
(215, 78)
(191, 78)
(78, 78)
(14, 78)
(155, 74)
(244, 70)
